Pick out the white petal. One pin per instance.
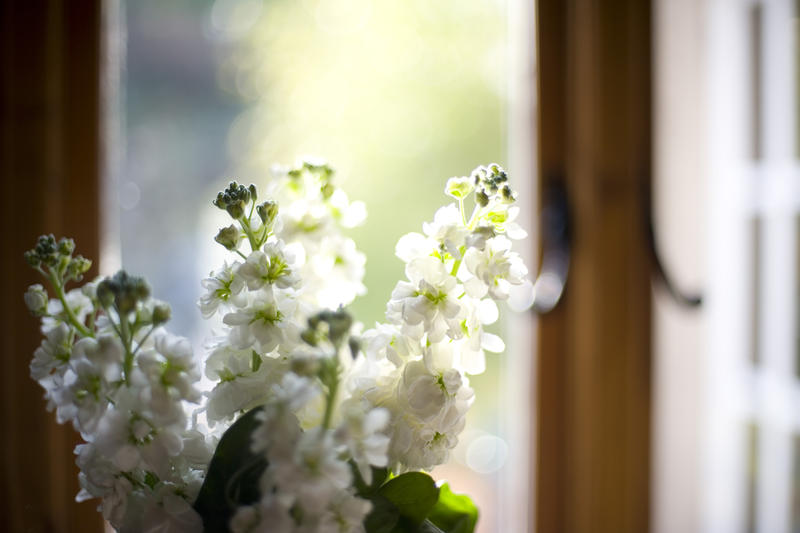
(492, 343)
(488, 312)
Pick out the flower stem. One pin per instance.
(59, 288)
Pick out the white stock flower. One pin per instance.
(264, 321)
(448, 229)
(495, 268)
(413, 246)
(429, 299)
(362, 432)
(53, 354)
(224, 286)
(276, 265)
(78, 303)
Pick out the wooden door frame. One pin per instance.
(592, 465)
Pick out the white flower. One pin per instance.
(263, 320)
(223, 287)
(316, 473)
(413, 246)
(167, 512)
(53, 353)
(276, 265)
(495, 268)
(78, 303)
(361, 432)
(267, 516)
(345, 515)
(334, 272)
(387, 341)
(94, 367)
(448, 229)
(244, 381)
(429, 299)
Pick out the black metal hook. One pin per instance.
(555, 230)
(556, 236)
(680, 297)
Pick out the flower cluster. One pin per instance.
(109, 368)
(457, 269)
(310, 425)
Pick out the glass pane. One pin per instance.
(756, 65)
(751, 502)
(397, 96)
(797, 296)
(755, 321)
(795, 502)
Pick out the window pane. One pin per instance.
(751, 509)
(397, 96)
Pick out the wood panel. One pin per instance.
(593, 394)
(49, 146)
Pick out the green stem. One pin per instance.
(144, 339)
(456, 265)
(331, 400)
(125, 336)
(59, 288)
(249, 232)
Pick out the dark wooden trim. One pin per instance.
(593, 394)
(49, 159)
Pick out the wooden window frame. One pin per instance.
(51, 168)
(592, 466)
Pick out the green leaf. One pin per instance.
(379, 476)
(453, 513)
(413, 493)
(233, 475)
(383, 517)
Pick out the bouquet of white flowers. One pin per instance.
(311, 424)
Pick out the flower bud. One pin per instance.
(229, 237)
(161, 313)
(482, 198)
(508, 195)
(306, 365)
(36, 299)
(66, 246)
(459, 188)
(77, 267)
(267, 211)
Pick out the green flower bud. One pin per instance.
(310, 336)
(105, 295)
(355, 346)
(229, 237)
(124, 290)
(327, 190)
(333, 324)
(305, 365)
(253, 192)
(508, 195)
(459, 188)
(36, 299)
(482, 198)
(32, 258)
(66, 246)
(234, 199)
(161, 313)
(267, 211)
(77, 267)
